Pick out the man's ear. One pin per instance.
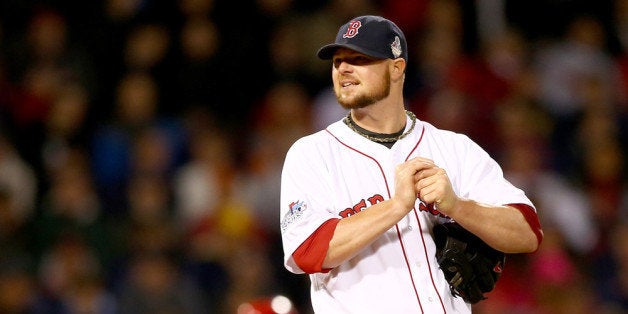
(398, 68)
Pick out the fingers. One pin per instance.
(421, 177)
(430, 176)
(404, 185)
(416, 164)
(432, 185)
(422, 163)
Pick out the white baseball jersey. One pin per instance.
(337, 172)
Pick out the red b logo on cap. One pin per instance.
(353, 29)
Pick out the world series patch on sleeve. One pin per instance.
(471, 267)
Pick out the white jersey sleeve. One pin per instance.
(305, 196)
(473, 172)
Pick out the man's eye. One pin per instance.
(356, 60)
(362, 60)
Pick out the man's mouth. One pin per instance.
(348, 83)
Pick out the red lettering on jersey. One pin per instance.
(359, 206)
(346, 213)
(430, 209)
(354, 210)
(352, 30)
(375, 199)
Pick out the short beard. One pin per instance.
(365, 100)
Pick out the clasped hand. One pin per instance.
(421, 178)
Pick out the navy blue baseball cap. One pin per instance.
(371, 35)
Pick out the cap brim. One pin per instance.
(327, 52)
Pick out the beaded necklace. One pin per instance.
(351, 124)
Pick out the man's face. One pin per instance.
(359, 80)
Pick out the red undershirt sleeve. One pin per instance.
(309, 256)
(532, 218)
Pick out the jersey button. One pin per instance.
(410, 228)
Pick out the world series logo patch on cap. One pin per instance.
(395, 47)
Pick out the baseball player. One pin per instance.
(359, 199)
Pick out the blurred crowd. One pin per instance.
(141, 143)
